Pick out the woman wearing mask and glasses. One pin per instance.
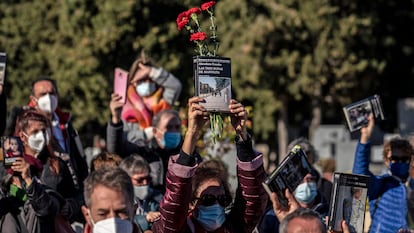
(197, 199)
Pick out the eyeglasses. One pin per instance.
(209, 200)
(397, 158)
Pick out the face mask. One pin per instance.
(37, 141)
(141, 192)
(400, 169)
(146, 88)
(306, 192)
(171, 140)
(112, 225)
(47, 103)
(211, 217)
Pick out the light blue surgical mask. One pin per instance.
(171, 140)
(306, 192)
(141, 191)
(211, 217)
(145, 88)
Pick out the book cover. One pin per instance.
(212, 81)
(357, 113)
(348, 202)
(289, 174)
(3, 58)
(12, 148)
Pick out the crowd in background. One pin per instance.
(149, 177)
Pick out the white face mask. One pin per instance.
(47, 103)
(38, 140)
(112, 225)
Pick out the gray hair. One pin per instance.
(112, 178)
(307, 147)
(303, 213)
(135, 164)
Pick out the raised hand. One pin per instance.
(280, 210)
(197, 118)
(115, 105)
(366, 131)
(238, 115)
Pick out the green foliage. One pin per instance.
(329, 51)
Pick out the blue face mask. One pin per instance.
(145, 89)
(400, 169)
(211, 217)
(171, 140)
(306, 192)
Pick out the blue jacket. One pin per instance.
(386, 194)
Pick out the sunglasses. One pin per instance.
(142, 179)
(209, 200)
(400, 159)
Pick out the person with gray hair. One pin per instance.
(109, 202)
(293, 218)
(302, 219)
(147, 199)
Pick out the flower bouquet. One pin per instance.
(212, 73)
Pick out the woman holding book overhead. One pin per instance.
(387, 193)
(197, 198)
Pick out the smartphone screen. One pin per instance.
(3, 58)
(12, 149)
(120, 83)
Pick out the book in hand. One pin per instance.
(212, 81)
(3, 58)
(357, 113)
(289, 174)
(12, 148)
(348, 202)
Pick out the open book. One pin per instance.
(212, 81)
(289, 174)
(348, 202)
(357, 113)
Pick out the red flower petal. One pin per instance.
(182, 17)
(198, 36)
(194, 10)
(181, 24)
(207, 5)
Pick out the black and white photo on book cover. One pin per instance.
(357, 113)
(289, 174)
(213, 82)
(348, 202)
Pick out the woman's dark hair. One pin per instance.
(204, 174)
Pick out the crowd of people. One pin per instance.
(150, 177)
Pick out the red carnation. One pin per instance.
(182, 20)
(200, 36)
(207, 5)
(194, 10)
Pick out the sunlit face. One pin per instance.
(208, 187)
(168, 123)
(141, 178)
(33, 128)
(107, 203)
(42, 88)
(301, 225)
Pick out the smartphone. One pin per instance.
(121, 83)
(12, 148)
(3, 59)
